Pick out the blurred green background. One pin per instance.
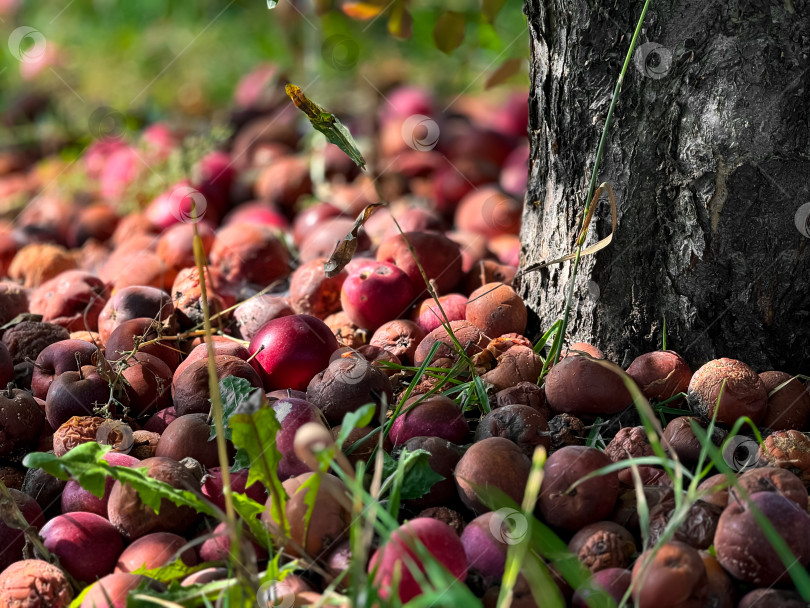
(181, 59)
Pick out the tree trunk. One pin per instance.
(709, 157)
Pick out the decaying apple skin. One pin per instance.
(674, 578)
(134, 519)
(591, 501)
(496, 309)
(34, 577)
(744, 551)
(399, 337)
(494, 461)
(578, 385)
(743, 393)
(660, 374)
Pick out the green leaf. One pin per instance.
(171, 571)
(240, 461)
(234, 392)
(249, 511)
(481, 393)
(491, 8)
(255, 433)
(84, 463)
(417, 475)
(357, 419)
(145, 596)
(448, 33)
(327, 123)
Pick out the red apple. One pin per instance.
(291, 350)
(428, 316)
(86, 544)
(396, 558)
(375, 295)
(62, 356)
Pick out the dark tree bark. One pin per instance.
(709, 157)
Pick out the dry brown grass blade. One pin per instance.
(604, 186)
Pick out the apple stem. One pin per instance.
(34, 363)
(10, 390)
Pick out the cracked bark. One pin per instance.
(709, 156)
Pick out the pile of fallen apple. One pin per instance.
(101, 324)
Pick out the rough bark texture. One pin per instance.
(709, 156)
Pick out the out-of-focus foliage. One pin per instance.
(153, 58)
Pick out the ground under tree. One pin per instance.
(709, 156)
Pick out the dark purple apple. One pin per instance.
(75, 394)
(6, 366)
(63, 356)
(12, 540)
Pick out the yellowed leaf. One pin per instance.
(363, 11)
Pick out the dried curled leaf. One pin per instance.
(345, 249)
(327, 123)
(581, 237)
